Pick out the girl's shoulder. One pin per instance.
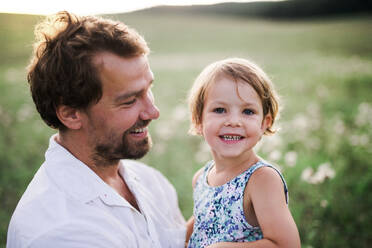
(201, 172)
(264, 172)
(196, 176)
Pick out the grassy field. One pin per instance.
(322, 69)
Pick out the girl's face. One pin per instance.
(232, 121)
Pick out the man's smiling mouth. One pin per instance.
(139, 130)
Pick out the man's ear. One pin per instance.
(266, 122)
(70, 117)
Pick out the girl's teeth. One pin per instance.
(231, 137)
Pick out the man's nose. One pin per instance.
(150, 111)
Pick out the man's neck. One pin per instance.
(79, 147)
(109, 173)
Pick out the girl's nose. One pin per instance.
(233, 120)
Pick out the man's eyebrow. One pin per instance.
(127, 95)
(130, 94)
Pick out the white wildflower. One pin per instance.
(323, 203)
(25, 112)
(359, 140)
(314, 114)
(179, 113)
(290, 158)
(322, 91)
(270, 143)
(164, 130)
(316, 178)
(300, 122)
(258, 147)
(364, 115)
(203, 153)
(306, 174)
(327, 170)
(363, 139)
(275, 155)
(13, 75)
(5, 118)
(159, 148)
(354, 140)
(313, 143)
(339, 127)
(323, 172)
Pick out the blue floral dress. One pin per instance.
(218, 211)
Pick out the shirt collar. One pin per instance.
(76, 179)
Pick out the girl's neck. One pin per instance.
(226, 169)
(246, 160)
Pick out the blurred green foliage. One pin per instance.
(322, 69)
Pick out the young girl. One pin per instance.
(240, 200)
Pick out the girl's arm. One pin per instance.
(265, 191)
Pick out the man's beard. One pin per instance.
(111, 150)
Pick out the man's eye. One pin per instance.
(248, 112)
(219, 110)
(130, 102)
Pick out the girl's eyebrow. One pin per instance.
(250, 104)
(245, 103)
(218, 102)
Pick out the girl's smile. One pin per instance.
(231, 138)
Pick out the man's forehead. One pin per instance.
(112, 68)
(123, 77)
(110, 61)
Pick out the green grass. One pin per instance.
(322, 68)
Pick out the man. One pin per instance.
(91, 80)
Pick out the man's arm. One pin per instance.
(82, 234)
(189, 228)
(190, 222)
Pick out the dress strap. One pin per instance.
(207, 168)
(263, 164)
(203, 177)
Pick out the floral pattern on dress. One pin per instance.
(218, 211)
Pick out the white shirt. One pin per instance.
(68, 205)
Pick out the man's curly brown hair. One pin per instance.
(61, 71)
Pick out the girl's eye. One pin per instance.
(248, 112)
(219, 110)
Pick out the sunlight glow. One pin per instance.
(43, 7)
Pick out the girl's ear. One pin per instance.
(199, 129)
(70, 117)
(266, 122)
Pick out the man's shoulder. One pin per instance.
(61, 221)
(37, 211)
(43, 207)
